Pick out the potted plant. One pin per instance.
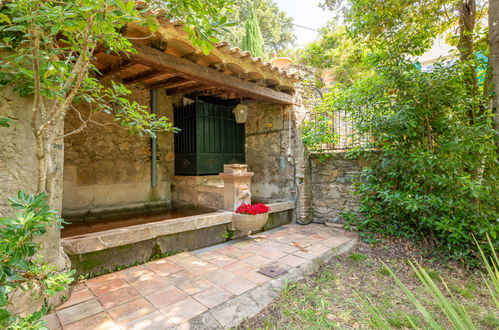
(250, 217)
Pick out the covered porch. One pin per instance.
(130, 198)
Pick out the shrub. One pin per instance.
(433, 165)
(21, 265)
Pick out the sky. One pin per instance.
(305, 13)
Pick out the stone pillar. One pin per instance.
(237, 186)
(303, 180)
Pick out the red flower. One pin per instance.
(252, 209)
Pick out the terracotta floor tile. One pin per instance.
(152, 321)
(163, 267)
(226, 249)
(257, 261)
(195, 285)
(309, 255)
(256, 277)
(150, 284)
(179, 277)
(179, 256)
(208, 255)
(222, 261)
(183, 310)
(201, 270)
(239, 268)
(220, 276)
(270, 253)
(78, 286)
(213, 296)
(103, 287)
(239, 286)
(318, 248)
(119, 297)
(240, 255)
(286, 248)
(166, 297)
(334, 241)
(131, 310)
(79, 311)
(77, 297)
(292, 260)
(100, 321)
(133, 274)
(52, 321)
(191, 261)
(101, 279)
(242, 244)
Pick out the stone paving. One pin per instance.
(212, 288)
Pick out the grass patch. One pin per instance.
(328, 299)
(357, 256)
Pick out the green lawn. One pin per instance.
(328, 298)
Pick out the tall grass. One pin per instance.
(455, 312)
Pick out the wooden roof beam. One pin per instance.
(161, 61)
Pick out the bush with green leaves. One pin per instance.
(433, 171)
(22, 266)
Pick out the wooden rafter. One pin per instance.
(146, 75)
(184, 68)
(170, 83)
(187, 89)
(115, 68)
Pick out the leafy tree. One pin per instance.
(337, 51)
(277, 28)
(49, 46)
(253, 40)
(494, 61)
(436, 162)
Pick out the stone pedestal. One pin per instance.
(237, 186)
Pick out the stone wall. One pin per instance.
(267, 143)
(332, 186)
(107, 168)
(18, 171)
(199, 191)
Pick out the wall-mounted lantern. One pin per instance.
(241, 112)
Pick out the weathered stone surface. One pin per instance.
(106, 166)
(332, 184)
(267, 142)
(18, 171)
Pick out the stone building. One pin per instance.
(129, 197)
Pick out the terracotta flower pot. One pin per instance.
(281, 62)
(248, 222)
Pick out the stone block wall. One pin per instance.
(267, 142)
(199, 191)
(106, 167)
(332, 182)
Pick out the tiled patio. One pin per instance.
(215, 287)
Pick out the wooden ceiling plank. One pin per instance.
(161, 61)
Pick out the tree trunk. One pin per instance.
(467, 18)
(494, 61)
